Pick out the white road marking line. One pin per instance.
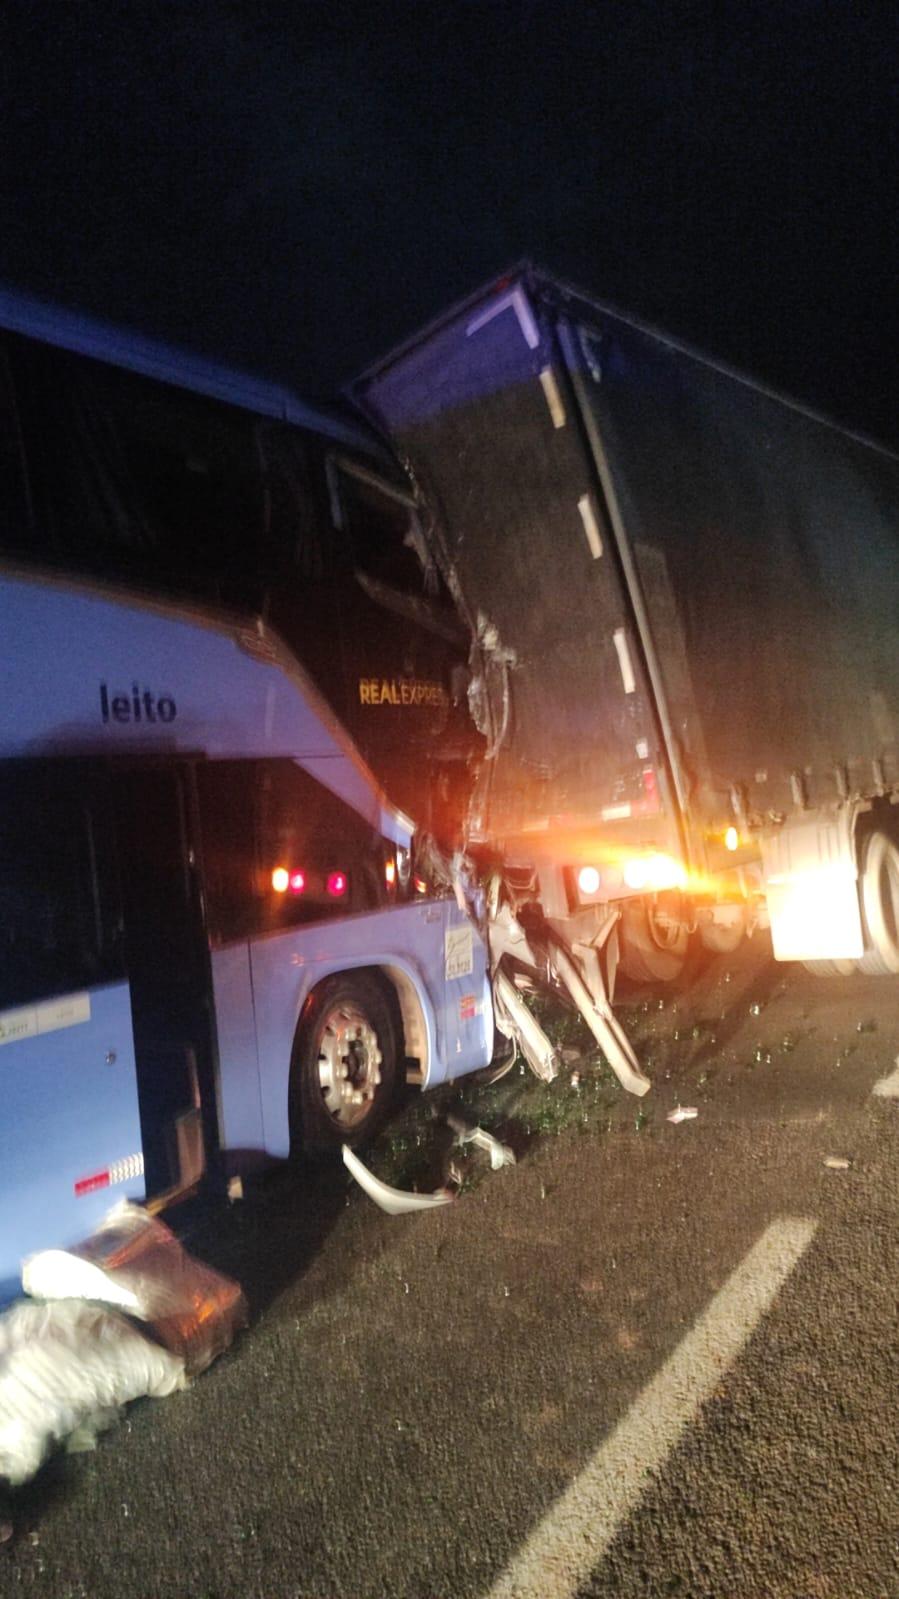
(888, 1087)
(574, 1535)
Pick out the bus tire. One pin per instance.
(345, 1070)
(650, 951)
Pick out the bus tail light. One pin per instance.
(337, 884)
(297, 882)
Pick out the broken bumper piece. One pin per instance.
(500, 1154)
(395, 1201)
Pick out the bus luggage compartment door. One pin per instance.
(70, 1140)
(70, 1134)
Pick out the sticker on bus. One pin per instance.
(30, 1020)
(459, 952)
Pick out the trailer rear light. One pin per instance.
(390, 872)
(337, 884)
(588, 880)
(297, 882)
(280, 879)
(654, 873)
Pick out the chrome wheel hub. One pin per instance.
(349, 1064)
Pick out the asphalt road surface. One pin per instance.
(649, 1359)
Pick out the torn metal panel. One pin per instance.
(589, 994)
(515, 1021)
(540, 950)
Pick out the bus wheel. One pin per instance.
(652, 944)
(344, 1074)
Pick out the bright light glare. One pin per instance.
(588, 880)
(654, 873)
(731, 839)
(280, 879)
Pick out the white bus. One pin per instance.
(215, 943)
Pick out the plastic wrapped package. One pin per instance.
(67, 1367)
(135, 1262)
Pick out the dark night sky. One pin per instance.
(294, 188)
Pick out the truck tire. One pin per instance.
(835, 968)
(880, 905)
(650, 950)
(345, 1072)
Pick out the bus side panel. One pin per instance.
(240, 1106)
(69, 1114)
(286, 966)
(468, 1005)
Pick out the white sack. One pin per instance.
(65, 1363)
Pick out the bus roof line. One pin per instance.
(136, 352)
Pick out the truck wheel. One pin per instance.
(345, 1071)
(835, 968)
(880, 905)
(652, 948)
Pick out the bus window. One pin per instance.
(382, 531)
(298, 538)
(226, 791)
(59, 919)
(15, 507)
(138, 479)
(279, 850)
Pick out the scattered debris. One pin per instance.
(837, 1163)
(395, 1201)
(888, 1087)
(682, 1113)
(134, 1262)
(72, 1355)
(66, 1368)
(500, 1154)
